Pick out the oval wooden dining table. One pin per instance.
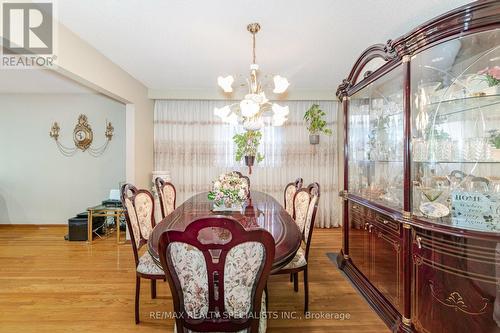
(261, 211)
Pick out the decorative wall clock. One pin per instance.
(83, 137)
(82, 134)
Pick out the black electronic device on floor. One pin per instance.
(77, 226)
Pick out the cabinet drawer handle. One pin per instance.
(385, 221)
(419, 242)
(366, 226)
(370, 228)
(354, 207)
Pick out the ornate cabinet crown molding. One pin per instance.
(475, 17)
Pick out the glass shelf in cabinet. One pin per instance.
(460, 105)
(457, 162)
(376, 161)
(451, 222)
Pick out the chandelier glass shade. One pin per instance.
(255, 110)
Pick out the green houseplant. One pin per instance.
(315, 123)
(494, 140)
(246, 146)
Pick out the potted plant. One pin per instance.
(494, 140)
(246, 146)
(315, 123)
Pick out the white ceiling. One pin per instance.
(186, 44)
(38, 81)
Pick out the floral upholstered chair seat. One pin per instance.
(148, 266)
(298, 261)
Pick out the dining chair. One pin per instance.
(217, 271)
(305, 207)
(289, 193)
(247, 179)
(139, 214)
(167, 194)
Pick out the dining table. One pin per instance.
(261, 210)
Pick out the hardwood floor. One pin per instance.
(50, 285)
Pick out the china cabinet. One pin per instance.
(421, 231)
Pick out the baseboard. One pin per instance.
(32, 225)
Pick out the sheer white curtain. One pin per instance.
(194, 146)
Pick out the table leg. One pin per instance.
(89, 227)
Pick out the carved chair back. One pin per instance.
(305, 208)
(314, 191)
(167, 194)
(139, 214)
(217, 272)
(289, 194)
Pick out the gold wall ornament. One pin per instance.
(83, 137)
(82, 134)
(54, 131)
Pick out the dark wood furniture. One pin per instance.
(167, 195)
(289, 192)
(139, 214)
(299, 263)
(228, 234)
(261, 211)
(416, 110)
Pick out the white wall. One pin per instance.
(81, 62)
(38, 185)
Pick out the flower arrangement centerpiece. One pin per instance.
(229, 192)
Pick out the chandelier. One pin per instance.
(255, 110)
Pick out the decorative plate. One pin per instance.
(434, 209)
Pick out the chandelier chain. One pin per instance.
(253, 37)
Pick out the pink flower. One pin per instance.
(495, 72)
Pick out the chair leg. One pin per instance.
(296, 282)
(137, 293)
(267, 297)
(153, 289)
(306, 292)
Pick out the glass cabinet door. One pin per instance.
(455, 144)
(375, 146)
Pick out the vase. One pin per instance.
(493, 90)
(314, 139)
(232, 208)
(249, 160)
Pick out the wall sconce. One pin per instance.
(82, 137)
